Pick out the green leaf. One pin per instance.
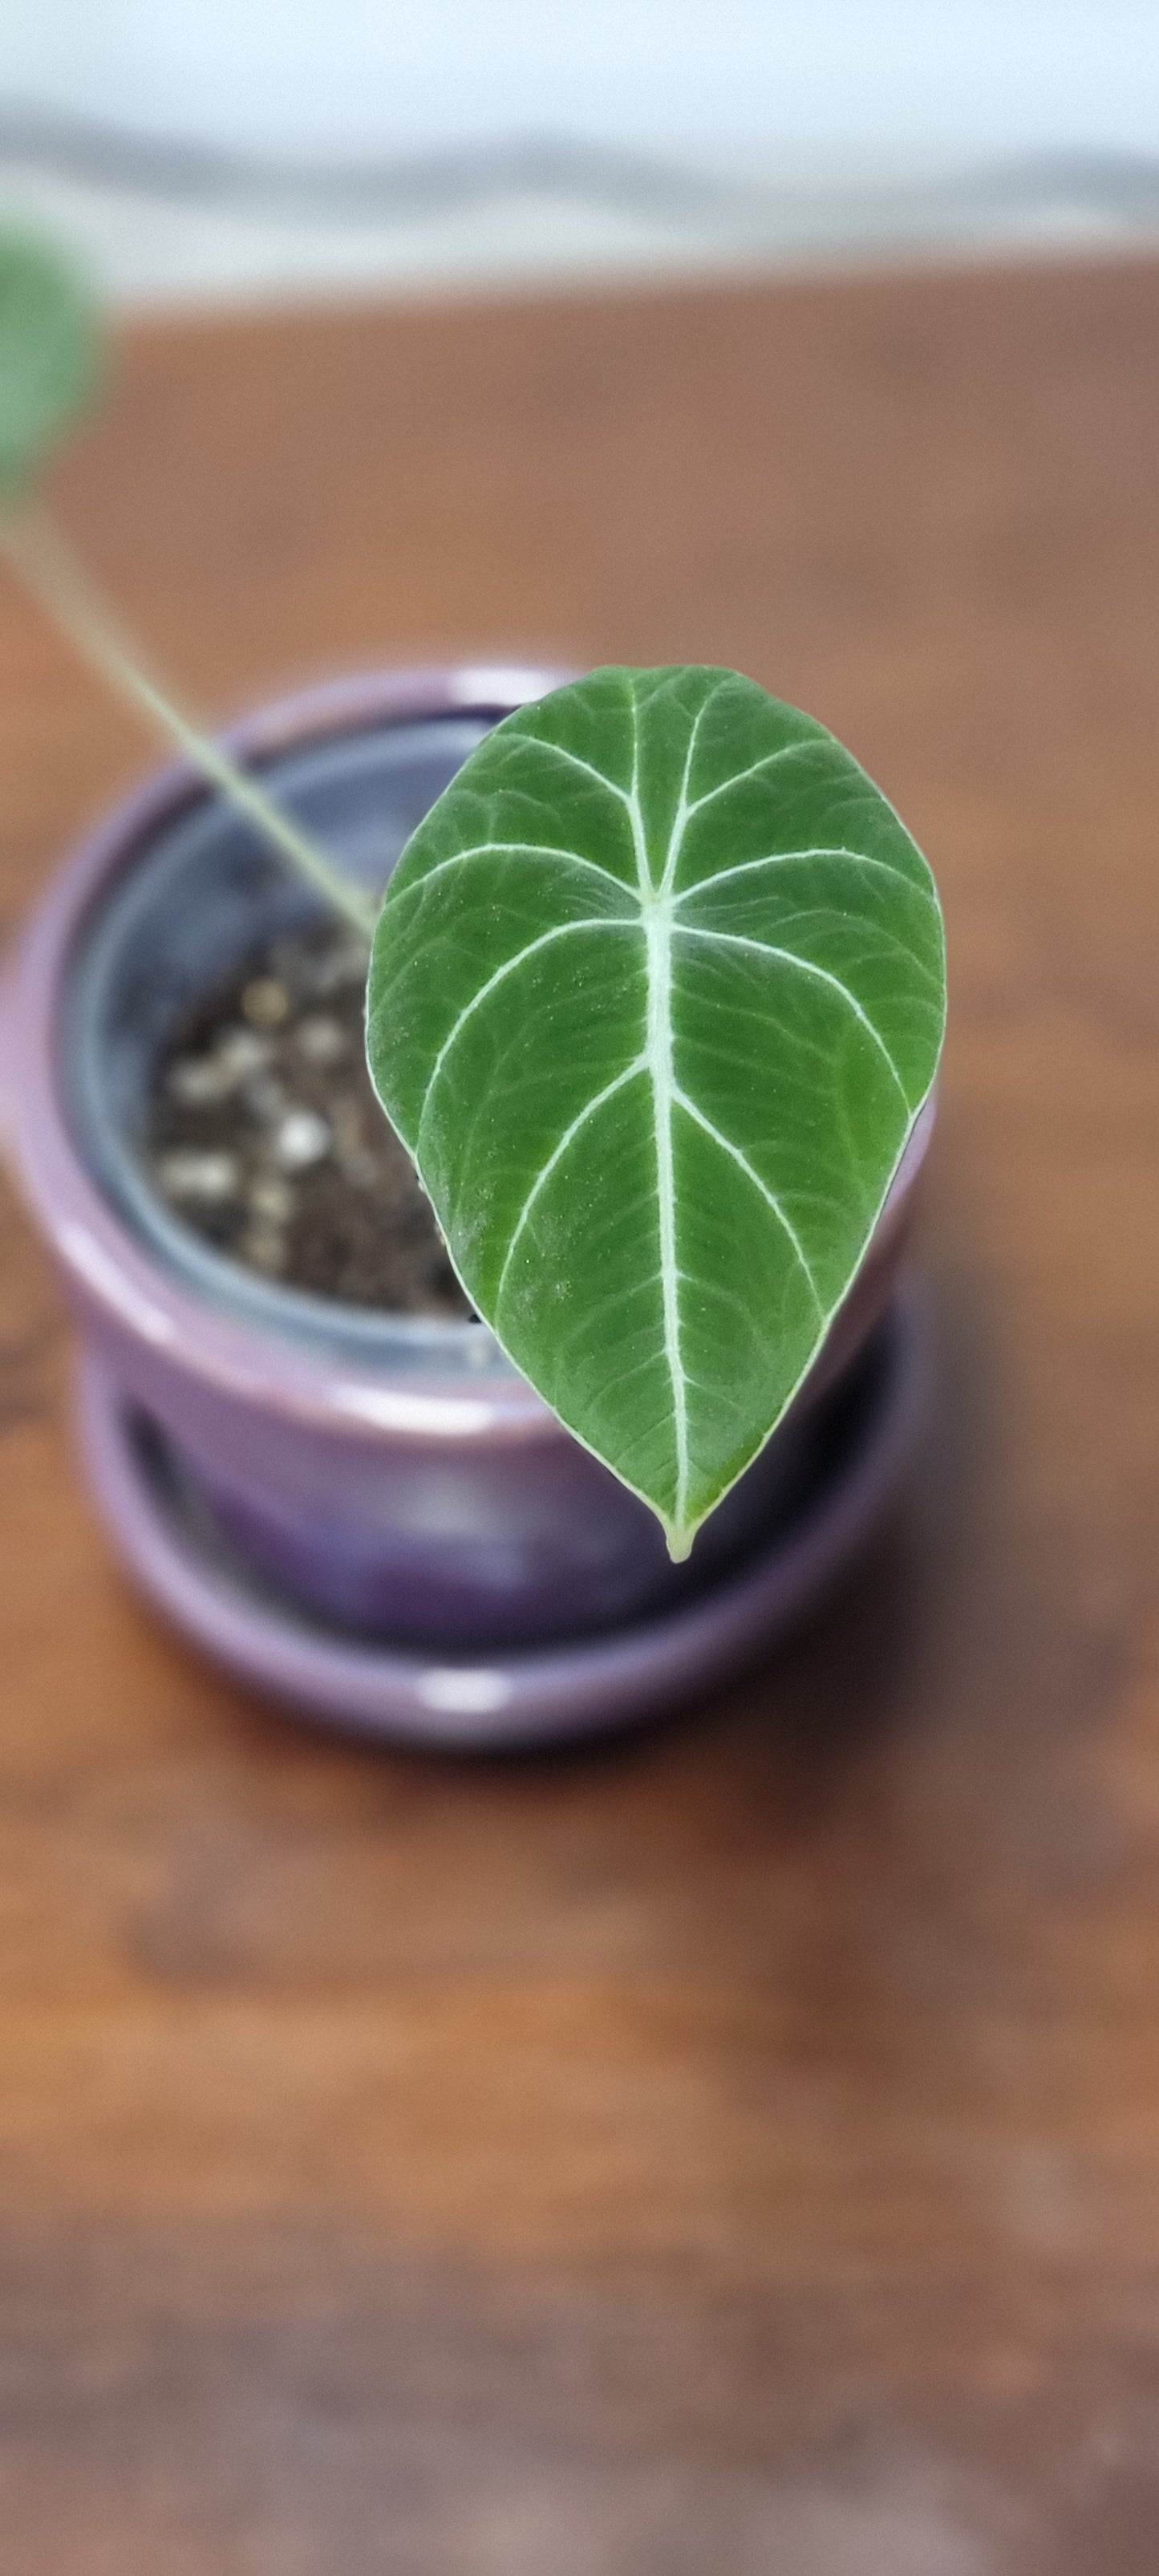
(49, 354)
(656, 996)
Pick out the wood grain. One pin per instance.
(742, 2147)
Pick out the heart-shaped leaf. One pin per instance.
(657, 993)
(49, 354)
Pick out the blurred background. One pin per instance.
(203, 150)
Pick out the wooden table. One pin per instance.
(738, 2150)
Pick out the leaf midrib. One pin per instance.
(656, 910)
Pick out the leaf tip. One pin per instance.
(679, 1542)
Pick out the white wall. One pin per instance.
(814, 100)
(822, 77)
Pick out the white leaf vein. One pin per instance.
(753, 771)
(656, 908)
(638, 1066)
(691, 1110)
(789, 858)
(683, 808)
(532, 849)
(560, 751)
(802, 966)
(510, 966)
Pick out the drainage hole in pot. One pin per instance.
(265, 1137)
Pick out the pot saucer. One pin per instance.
(585, 1686)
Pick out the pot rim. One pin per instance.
(108, 1267)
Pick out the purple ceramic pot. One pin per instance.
(394, 1478)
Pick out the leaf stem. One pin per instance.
(40, 554)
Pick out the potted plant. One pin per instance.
(655, 1005)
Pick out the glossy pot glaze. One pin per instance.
(395, 1477)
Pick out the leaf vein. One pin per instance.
(804, 966)
(577, 761)
(656, 909)
(691, 1110)
(787, 858)
(488, 849)
(683, 808)
(753, 771)
(556, 1156)
(562, 930)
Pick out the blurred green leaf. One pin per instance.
(50, 354)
